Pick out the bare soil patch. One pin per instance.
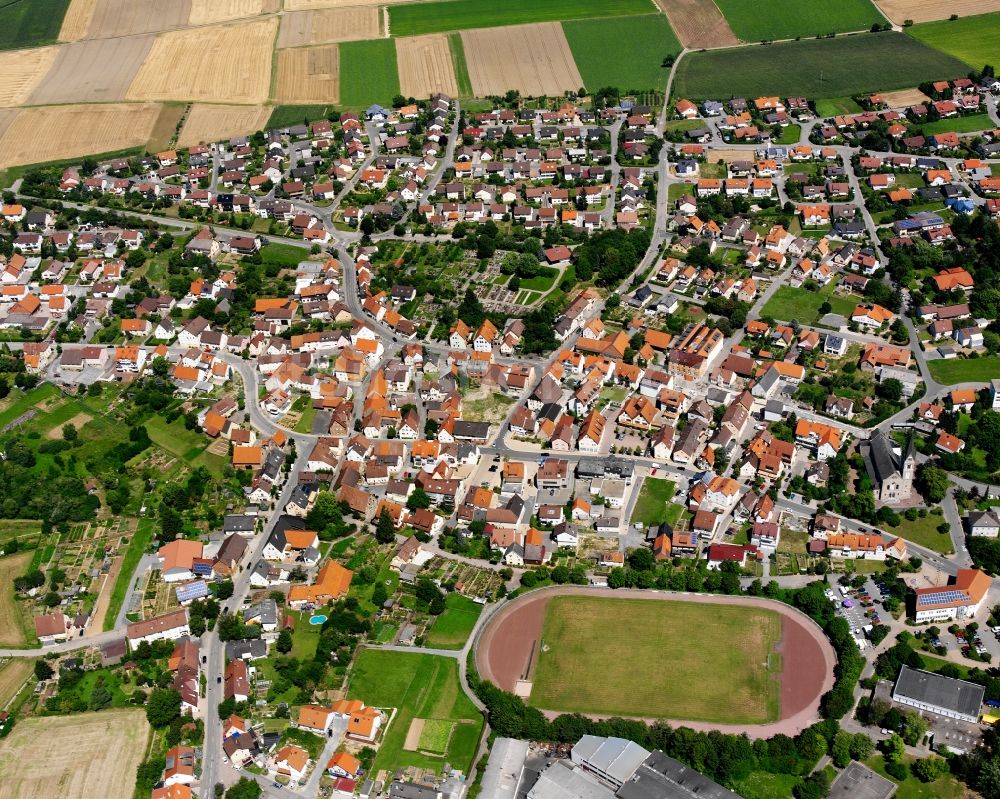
(73, 757)
(698, 23)
(927, 10)
(216, 63)
(300, 28)
(22, 71)
(904, 98)
(11, 630)
(77, 421)
(209, 123)
(52, 133)
(728, 155)
(425, 66)
(207, 12)
(77, 20)
(12, 677)
(534, 59)
(412, 742)
(93, 70)
(309, 75)
(127, 17)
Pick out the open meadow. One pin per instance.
(323, 26)
(209, 123)
(767, 20)
(93, 71)
(308, 75)
(644, 41)
(29, 23)
(698, 23)
(838, 67)
(534, 59)
(23, 70)
(368, 73)
(11, 623)
(73, 757)
(965, 370)
(974, 40)
(453, 627)
(200, 64)
(425, 66)
(673, 660)
(928, 10)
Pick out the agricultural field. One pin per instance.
(965, 370)
(73, 757)
(837, 106)
(52, 133)
(839, 67)
(636, 66)
(368, 73)
(97, 70)
(534, 59)
(114, 18)
(420, 687)
(329, 25)
(308, 75)
(973, 123)
(285, 115)
(453, 627)
(198, 64)
(768, 20)
(23, 71)
(13, 674)
(904, 97)
(426, 66)
(76, 22)
(698, 23)
(207, 12)
(12, 624)
(802, 305)
(927, 10)
(413, 19)
(974, 40)
(654, 502)
(583, 638)
(29, 23)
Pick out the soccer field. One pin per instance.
(672, 660)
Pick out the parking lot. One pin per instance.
(863, 610)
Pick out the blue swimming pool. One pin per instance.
(317, 619)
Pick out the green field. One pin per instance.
(923, 532)
(136, 549)
(29, 23)
(837, 106)
(462, 79)
(911, 788)
(975, 40)
(413, 19)
(763, 785)
(418, 686)
(654, 501)
(285, 115)
(802, 305)
(838, 67)
(967, 124)
(637, 66)
(368, 72)
(766, 20)
(188, 445)
(659, 659)
(452, 628)
(20, 403)
(435, 735)
(965, 370)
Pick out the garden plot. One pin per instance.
(309, 75)
(533, 59)
(323, 26)
(23, 70)
(98, 70)
(425, 66)
(210, 123)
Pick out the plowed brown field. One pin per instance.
(698, 23)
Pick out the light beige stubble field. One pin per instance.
(534, 59)
(76, 23)
(927, 10)
(207, 12)
(22, 71)
(127, 17)
(73, 757)
(215, 63)
(210, 123)
(300, 28)
(425, 66)
(93, 71)
(309, 75)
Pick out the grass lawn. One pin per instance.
(305, 423)
(763, 785)
(305, 636)
(287, 255)
(136, 548)
(654, 501)
(462, 79)
(284, 116)
(911, 788)
(188, 445)
(368, 72)
(759, 20)
(583, 639)
(14, 627)
(455, 15)
(542, 281)
(803, 305)
(814, 68)
(935, 664)
(966, 124)
(22, 402)
(452, 628)
(29, 23)
(975, 40)
(789, 135)
(418, 686)
(924, 533)
(636, 67)
(965, 370)
(837, 106)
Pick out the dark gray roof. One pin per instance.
(932, 689)
(881, 461)
(248, 650)
(662, 777)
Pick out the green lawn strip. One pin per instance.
(965, 370)
(760, 20)
(133, 554)
(453, 627)
(418, 686)
(29, 23)
(790, 134)
(454, 15)
(967, 124)
(763, 785)
(840, 67)
(305, 423)
(837, 106)
(923, 532)
(802, 305)
(284, 116)
(583, 639)
(368, 71)
(635, 67)
(462, 79)
(975, 40)
(26, 402)
(542, 282)
(911, 788)
(305, 637)
(287, 255)
(653, 504)
(935, 664)
(188, 445)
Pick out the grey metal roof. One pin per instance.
(618, 758)
(662, 777)
(881, 458)
(503, 772)
(927, 688)
(561, 781)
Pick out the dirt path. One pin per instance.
(104, 598)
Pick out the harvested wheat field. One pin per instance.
(22, 71)
(73, 757)
(56, 132)
(904, 98)
(209, 123)
(927, 11)
(301, 28)
(12, 676)
(309, 75)
(11, 625)
(127, 17)
(425, 66)
(698, 23)
(308, 5)
(93, 71)
(207, 12)
(216, 63)
(534, 59)
(76, 23)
